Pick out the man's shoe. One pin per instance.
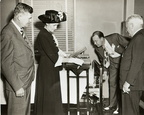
(116, 111)
(109, 108)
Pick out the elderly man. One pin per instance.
(132, 67)
(18, 61)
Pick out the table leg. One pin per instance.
(78, 104)
(68, 92)
(87, 89)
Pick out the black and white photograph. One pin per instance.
(72, 57)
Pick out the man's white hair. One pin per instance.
(135, 19)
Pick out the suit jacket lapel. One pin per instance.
(28, 45)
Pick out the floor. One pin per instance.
(3, 111)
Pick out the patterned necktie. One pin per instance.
(24, 36)
(27, 40)
(106, 61)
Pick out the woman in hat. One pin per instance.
(48, 99)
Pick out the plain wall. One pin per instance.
(0, 16)
(139, 7)
(7, 7)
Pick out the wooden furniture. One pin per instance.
(77, 70)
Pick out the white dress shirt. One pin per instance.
(111, 49)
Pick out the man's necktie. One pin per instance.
(24, 36)
(106, 61)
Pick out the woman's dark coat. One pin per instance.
(48, 99)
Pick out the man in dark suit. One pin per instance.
(17, 61)
(113, 45)
(132, 67)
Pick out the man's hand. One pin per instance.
(20, 92)
(126, 88)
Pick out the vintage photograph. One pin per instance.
(72, 57)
